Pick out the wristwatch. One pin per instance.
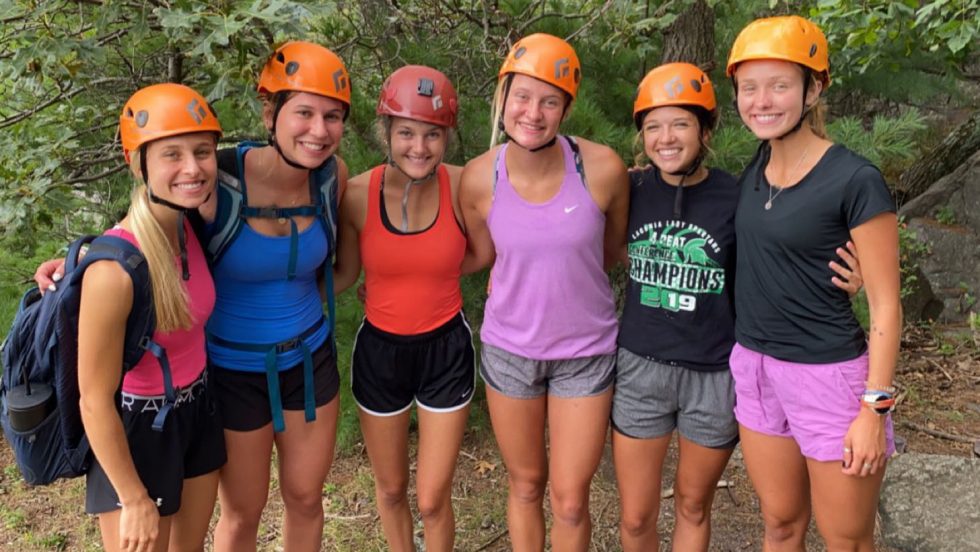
(879, 402)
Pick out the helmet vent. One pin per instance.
(695, 85)
(129, 112)
(280, 58)
(142, 118)
(520, 52)
(426, 87)
(813, 50)
(578, 75)
(339, 80)
(291, 68)
(561, 68)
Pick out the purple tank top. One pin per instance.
(550, 297)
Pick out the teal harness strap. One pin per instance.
(309, 399)
(275, 395)
(272, 351)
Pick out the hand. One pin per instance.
(139, 525)
(850, 276)
(48, 274)
(362, 293)
(864, 445)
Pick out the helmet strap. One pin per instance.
(804, 111)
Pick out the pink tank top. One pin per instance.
(185, 348)
(550, 297)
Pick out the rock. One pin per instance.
(929, 503)
(946, 219)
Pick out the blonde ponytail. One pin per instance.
(816, 118)
(497, 111)
(169, 297)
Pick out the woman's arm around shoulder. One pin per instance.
(475, 200)
(353, 213)
(107, 298)
(608, 182)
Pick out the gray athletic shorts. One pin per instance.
(526, 378)
(652, 399)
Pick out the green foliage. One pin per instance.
(911, 250)
(891, 142)
(945, 215)
(732, 147)
(898, 35)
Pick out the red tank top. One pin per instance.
(412, 279)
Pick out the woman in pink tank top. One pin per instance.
(153, 485)
(550, 213)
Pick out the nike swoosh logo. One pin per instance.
(570, 209)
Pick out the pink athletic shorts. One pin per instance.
(812, 403)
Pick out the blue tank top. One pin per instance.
(255, 303)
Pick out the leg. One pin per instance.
(243, 488)
(190, 524)
(844, 506)
(698, 471)
(109, 527)
(779, 476)
(639, 471)
(305, 454)
(518, 425)
(386, 439)
(440, 437)
(578, 428)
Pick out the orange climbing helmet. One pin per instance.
(161, 111)
(306, 67)
(547, 58)
(674, 84)
(419, 93)
(788, 38)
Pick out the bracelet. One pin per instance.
(890, 390)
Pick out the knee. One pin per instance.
(784, 530)
(432, 506)
(391, 495)
(637, 524)
(528, 489)
(570, 507)
(303, 502)
(241, 517)
(693, 510)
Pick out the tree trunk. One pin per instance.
(959, 144)
(691, 37)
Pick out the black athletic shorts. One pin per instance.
(243, 397)
(191, 444)
(436, 369)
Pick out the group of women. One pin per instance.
(793, 376)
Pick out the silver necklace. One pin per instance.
(791, 173)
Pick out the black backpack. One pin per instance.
(39, 395)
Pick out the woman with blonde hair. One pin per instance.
(550, 212)
(813, 391)
(154, 487)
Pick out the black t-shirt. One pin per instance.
(787, 306)
(679, 307)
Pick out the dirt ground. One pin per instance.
(939, 379)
